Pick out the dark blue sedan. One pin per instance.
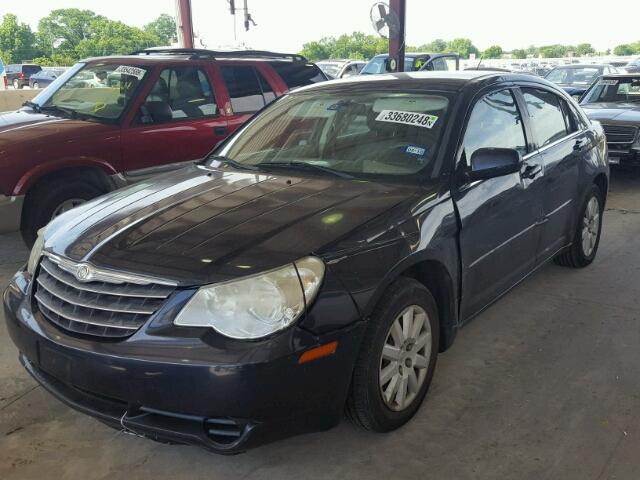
(43, 78)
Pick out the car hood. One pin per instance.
(201, 225)
(620, 112)
(573, 90)
(27, 126)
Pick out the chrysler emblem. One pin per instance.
(83, 273)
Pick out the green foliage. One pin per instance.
(494, 51)
(55, 60)
(356, 46)
(437, 46)
(627, 49)
(63, 30)
(584, 49)
(164, 28)
(462, 46)
(519, 53)
(109, 37)
(17, 41)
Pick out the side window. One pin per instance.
(179, 93)
(244, 88)
(440, 64)
(547, 117)
(298, 74)
(267, 92)
(495, 123)
(569, 117)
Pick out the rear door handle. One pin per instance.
(220, 130)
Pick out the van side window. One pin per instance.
(495, 123)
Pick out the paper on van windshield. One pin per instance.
(607, 81)
(423, 120)
(129, 70)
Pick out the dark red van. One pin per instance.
(110, 121)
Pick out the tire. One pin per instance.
(16, 84)
(36, 85)
(365, 405)
(44, 200)
(581, 253)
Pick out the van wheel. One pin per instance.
(587, 235)
(47, 201)
(397, 358)
(16, 84)
(36, 85)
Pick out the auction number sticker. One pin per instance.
(608, 82)
(407, 118)
(129, 70)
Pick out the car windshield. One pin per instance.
(100, 91)
(377, 65)
(373, 134)
(615, 90)
(571, 76)
(330, 68)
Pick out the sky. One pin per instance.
(284, 25)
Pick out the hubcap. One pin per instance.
(67, 205)
(590, 226)
(405, 358)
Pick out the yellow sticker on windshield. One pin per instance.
(99, 106)
(423, 120)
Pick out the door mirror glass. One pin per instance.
(156, 111)
(494, 162)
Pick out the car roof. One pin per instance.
(412, 54)
(447, 80)
(621, 75)
(583, 65)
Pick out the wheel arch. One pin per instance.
(602, 182)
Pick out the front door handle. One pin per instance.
(531, 170)
(221, 130)
(580, 145)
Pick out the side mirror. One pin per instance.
(156, 112)
(494, 162)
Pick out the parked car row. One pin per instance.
(317, 261)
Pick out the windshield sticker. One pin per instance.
(129, 70)
(415, 150)
(423, 120)
(608, 82)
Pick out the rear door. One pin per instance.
(561, 143)
(499, 216)
(248, 89)
(195, 125)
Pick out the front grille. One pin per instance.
(97, 308)
(617, 134)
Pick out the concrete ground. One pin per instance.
(543, 385)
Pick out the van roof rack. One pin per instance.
(199, 53)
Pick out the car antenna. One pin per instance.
(480, 62)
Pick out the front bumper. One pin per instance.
(183, 388)
(10, 213)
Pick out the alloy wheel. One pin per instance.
(67, 205)
(590, 226)
(405, 358)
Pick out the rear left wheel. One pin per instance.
(397, 358)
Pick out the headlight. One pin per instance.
(255, 306)
(36, 253)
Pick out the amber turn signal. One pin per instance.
(318, 352)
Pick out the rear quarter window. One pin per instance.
(298, 74)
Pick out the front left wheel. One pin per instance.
(397, 358)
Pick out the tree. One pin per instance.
(519, 53)
(462, 46)
(109, 37)
(163, 27)
(356, 45)
(627, 49)
(17, 41)
(494, 51)
(584, 49)
(63, 29)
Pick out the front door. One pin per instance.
(499, 216)
(179, 121)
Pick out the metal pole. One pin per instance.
(184, 23)
(396, 37)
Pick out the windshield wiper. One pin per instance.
(304, 165)
(58, 109)
(230, 161)
(33, 105)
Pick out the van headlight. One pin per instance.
(36, 253)
(255, 306)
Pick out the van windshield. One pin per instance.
(383, 133)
